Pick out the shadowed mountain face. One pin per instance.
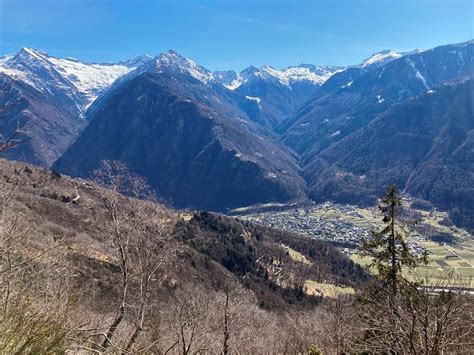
(184, 142)
(425, 145)
(46, 127)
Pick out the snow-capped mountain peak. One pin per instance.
(380, 58)
(172, 60)
(28, 53)
(81, 82)
(309, 73)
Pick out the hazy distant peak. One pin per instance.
(381, 58)
(137, 61)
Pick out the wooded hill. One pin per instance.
(60, 229)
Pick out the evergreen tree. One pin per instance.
(388, 246)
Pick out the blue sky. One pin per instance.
(233, 34)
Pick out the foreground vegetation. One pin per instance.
(99, 266)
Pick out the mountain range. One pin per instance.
(220, 140)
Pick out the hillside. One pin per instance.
(64, 243)
(211, 247)
(47, 126)
(424, 145)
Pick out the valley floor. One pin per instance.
(451, 249)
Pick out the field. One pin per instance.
(327, 290)
(347, 224)
(445, 261)
(456, 259)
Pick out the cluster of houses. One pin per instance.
(337, 228)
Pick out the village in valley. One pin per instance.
(340, 224)
(345, 226)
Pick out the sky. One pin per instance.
(231, 34)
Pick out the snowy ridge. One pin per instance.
(89, 79)
(82, 82)
(174, 62)
(380, 58)
(302, 73)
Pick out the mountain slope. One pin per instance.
(46, 98)
(170, 124)
(425, 145)
(352, 98)
(68, 79)
(273, 94)
(212, 251)
(46, 127)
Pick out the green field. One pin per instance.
(456, 259)
(445, 262)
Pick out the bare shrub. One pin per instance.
(418, 320)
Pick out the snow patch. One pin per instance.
(348, 85)
(417, 73)
(174, 61)
(253, 98)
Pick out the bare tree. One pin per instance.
(418, 321)
(10, 141)
(339, 325)
(140, 235)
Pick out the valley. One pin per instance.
(217, 140)
(450, 249)
(287, 179)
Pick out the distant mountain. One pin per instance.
(273, 94)
(219, 140)
(301, 73)
(425, 145)
(68, 79)
(135, 62)
(172, 123)
(351, 99)
(46, 97)
(380, 59)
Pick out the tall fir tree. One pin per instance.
(388, 246)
